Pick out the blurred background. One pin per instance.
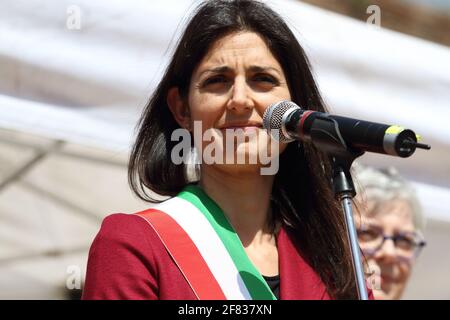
(75, 75)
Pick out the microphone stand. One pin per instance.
(326, 136)
(344, 191)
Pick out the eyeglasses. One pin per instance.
(408, 244)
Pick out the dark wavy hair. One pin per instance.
(302, 186)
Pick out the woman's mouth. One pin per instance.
(243, 128)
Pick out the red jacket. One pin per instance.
(127, 260)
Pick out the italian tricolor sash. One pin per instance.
(205, 247)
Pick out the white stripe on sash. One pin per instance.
(209, 244)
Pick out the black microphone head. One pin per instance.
(273, 120)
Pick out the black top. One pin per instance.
(274, 285)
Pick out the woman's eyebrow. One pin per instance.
(255, 68)
(252, 68)
(218, 69)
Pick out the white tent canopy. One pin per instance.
(88, 85)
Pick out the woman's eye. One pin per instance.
(265, 78)
(367, 235)
(405, 242)
(213, 80)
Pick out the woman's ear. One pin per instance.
(179, 109)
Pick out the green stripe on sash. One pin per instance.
(255, 283)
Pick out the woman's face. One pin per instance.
(391, 265)
(231, 88)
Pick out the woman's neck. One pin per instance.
(244, 199)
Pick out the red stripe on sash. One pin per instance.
(186, 255)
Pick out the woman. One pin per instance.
(230, 232)
(390, 228)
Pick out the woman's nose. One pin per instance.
(240, 99)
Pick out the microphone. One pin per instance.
(285, 121)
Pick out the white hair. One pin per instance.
(382, 185)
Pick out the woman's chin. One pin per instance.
(381, 295)
(386, 294)
(241, 167)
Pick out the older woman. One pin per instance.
(229, 232)
(390, 228)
